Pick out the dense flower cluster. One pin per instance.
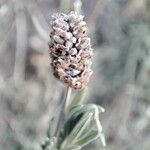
(70, 50)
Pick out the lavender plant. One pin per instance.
(71, 60)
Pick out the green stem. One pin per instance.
(62, 111)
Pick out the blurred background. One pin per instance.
(29, 94)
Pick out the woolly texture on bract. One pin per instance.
(70, 50)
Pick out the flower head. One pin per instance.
(70, 50)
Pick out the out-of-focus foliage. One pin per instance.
(30, 96)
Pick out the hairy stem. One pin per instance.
(62, 111)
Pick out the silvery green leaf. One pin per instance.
(82, 126)
(71, 123)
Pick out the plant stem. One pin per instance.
(62, 111)
(65, 6)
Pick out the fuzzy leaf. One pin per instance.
(82, 126)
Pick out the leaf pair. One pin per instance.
(81, 127)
